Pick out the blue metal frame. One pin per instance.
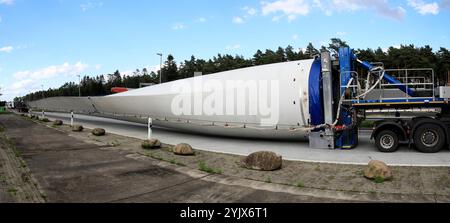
(349, 138)
(390, 79)
(413, 100)
(315, 94)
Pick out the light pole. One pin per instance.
(160, 68)
(79, 85)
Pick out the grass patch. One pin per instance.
(269, 180)
(13, 191)
(160, 158)
(23, 164)
(16, 152)
(202, 166)
(359, 173)
(379, 180)
(3, 112)
(174, 161)
(10, 144)
(300, 184)
(367, 124)
(156, 156)
(114, 143)
(317, 168)
(2, 179)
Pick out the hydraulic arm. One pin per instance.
(390, 79)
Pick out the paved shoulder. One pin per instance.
(71, 170)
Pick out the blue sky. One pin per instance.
(48, 42)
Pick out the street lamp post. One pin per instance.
(79, 85)
(160, 68)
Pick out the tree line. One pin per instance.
(405, 56)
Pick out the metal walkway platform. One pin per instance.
(400, 103)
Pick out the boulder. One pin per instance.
(77, 128)
(377, 170)
(151, 144)
(58, 122)
(264, 161)
(98, 132)
(183, 149)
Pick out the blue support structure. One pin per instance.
(316, 94)
(390, 79)
(349, 138)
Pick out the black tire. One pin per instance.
(429, 138)
(387, 141)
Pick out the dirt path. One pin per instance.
(16, 181)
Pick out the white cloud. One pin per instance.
(381, 7)
(386, 49)
(52, 71)
(1, 19)
(289, 8)
(292, 18)
(98, 66)
(233, 47)
(250, 11)
(341, 33)
(27, 81)
(321, 6)
(276, 18)
(201, 20)
(6, 2)
(6, 49)
(178, 26)
(424, 8)
(295, 37)
(20, 85)
(295, 8)
(90, 5)
(238, 20)
(21, 47)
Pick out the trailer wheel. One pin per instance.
(387, 141)
(429, 138)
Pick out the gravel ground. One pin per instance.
(336, 177)
(17, 184)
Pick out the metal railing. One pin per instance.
(420, 80)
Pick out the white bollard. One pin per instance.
(150, 125)
(43, 114)
(71, 119)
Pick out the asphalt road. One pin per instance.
(299, 151)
